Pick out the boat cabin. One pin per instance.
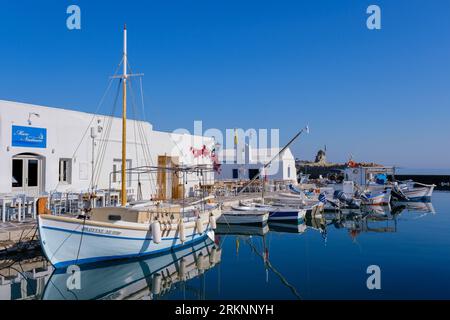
(367, 175)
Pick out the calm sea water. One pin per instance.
(325, 259)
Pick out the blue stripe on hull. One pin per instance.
(85, 233)
(284, 215)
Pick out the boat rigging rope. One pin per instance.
(104, 139)
(272, 268)
(62, 242)
(142, 140)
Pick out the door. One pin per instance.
(168, 181)
(26, 175)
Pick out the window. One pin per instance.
(117, 168)
(115, 172)
(65, 170)
(289, 172)
(17, 173)
(253, 173)
(33, 172)
(235, 174)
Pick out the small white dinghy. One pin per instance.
(244, 217)
(276, 213)
(413, 191)
(376, 197)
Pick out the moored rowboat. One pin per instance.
(244, 217)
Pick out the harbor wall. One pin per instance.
(442, 182)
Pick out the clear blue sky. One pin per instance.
(382, 95)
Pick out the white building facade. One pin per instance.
(244, 163)
(46, 149)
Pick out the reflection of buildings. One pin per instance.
(25, 279)
(150, 278)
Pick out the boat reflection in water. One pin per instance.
(368, 218)
(242, 230)
(286, 227)
(149, 278)
(419, 209)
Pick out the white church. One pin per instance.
(244, 163)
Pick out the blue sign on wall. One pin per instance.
(29, 137)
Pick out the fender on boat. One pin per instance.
(156, 232)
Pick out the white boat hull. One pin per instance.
(243, 217)
(419, 194)
(381, 199)
(287, 215)
(276, 213)
(69, 241)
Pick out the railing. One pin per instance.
(21, 207)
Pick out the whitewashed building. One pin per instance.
(45, 149)
(249, 161)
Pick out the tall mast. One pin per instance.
(124, 120)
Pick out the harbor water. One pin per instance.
(324, 258)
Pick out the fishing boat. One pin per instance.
(335, 196)
(376, 197)
(127, 231)
(413, 191)
(309, 206)
(276, 213)
(133, 279)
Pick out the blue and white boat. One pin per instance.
(413, 191)
(117, 233)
